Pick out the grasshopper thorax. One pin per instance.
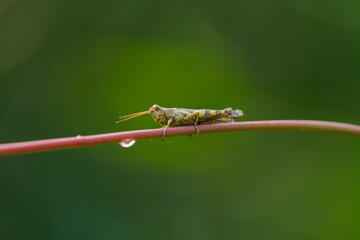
(159, 114)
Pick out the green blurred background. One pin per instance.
(72, 67)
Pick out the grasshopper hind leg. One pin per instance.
(193, 118)
(195, 125)
(220, 120)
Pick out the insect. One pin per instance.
(173, 117)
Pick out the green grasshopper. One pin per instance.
(173, 117)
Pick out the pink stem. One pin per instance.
(82, 141)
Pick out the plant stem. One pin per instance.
(82, 141)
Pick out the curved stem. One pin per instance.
(82, 141)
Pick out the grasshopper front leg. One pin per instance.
(165, 128)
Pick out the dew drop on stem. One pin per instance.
(126, 143)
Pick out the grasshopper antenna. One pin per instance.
(134, 115)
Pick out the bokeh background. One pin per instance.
(72, 67)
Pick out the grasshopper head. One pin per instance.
(158, 114)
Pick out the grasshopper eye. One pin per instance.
(156, 107)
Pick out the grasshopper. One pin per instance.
(173, 117)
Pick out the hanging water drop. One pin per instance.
(126, 143)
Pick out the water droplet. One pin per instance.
(78, 136)
(126, 143)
